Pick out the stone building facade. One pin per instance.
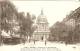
(42, 29)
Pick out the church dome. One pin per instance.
(41, 18)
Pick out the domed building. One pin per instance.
(42, 29)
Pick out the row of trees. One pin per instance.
(15, 22)
(62, 31)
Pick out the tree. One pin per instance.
(8, 13)
(8, 17)
(29, 24)
(60, 31)
(26, 24)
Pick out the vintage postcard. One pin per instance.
(39, 25)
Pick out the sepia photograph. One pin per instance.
(39, 25)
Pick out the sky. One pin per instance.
(53, 10)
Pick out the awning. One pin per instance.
(4, 34)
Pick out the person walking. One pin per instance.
(45, 42)
(34, 41)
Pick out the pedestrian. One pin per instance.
(34, 41)
(45, 42)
